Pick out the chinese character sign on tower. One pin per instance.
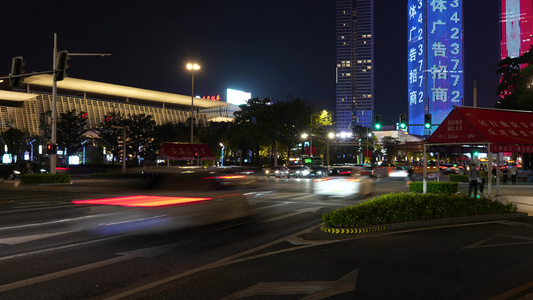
(439, 53)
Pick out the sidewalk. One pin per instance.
(521, 194)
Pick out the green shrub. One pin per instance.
(45, 178)
(405, 207)
(434, 187)
(459, 178)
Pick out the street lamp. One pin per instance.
(193, 68)
(222, 155)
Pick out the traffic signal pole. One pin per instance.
(53, 156)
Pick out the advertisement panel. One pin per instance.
(445, 57)
(416, 65)
(517, 27)
(238, 97)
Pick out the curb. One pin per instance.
(425, 223)
(350, 230)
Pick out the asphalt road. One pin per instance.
(279, 254)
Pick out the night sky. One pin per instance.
(272, 49)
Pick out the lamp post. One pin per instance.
(331, 136)
(222, 155)
(193, 67)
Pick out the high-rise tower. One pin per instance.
(354, 72)
(435, 61)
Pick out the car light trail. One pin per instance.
(144, 201)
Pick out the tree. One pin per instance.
(390, 146)
(516, 88)
(109, 133)
(71, 128)
(140, 136)
(13, 138)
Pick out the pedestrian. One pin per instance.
(473, 175)
(482, 177)
(505, 174)
(514, 173)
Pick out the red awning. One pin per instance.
(505, 130)
(177, 151)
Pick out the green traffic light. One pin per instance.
(427, 125)
(377, 126)
(402, 125)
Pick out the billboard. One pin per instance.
(416, 65)
(517, 27)
(445, 58)
(435, 61)
(238, 97)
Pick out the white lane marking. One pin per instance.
(57, 248)
(232, 259)
(54, 222)
(296, 212)
(146, 252)
(520, 240)
(275, 205)
(315, 289)
(28, 238)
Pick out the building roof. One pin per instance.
(505, 130)
(101, 88)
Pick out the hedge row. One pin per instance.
(45, 178)
(434, 187)
(406, 207)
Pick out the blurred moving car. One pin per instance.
(7, 172)
(178, 198)
(278, 172)
(13, 171)
(368, 171)
(299, 172)
(318, 171)
(344, 182)
(399, 172)
(451, 169)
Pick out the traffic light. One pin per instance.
(16, 69)
(403, 121)
(61, 69)
(476, 153)
(377, 122)
(427, 121)
(51, 148)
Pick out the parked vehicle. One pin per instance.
(298, 172)
(278, 172)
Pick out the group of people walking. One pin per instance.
(478, 176)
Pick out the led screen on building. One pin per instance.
(445, 57)
(238, 97)
(416, 65)
(517, 27)
(435, 60)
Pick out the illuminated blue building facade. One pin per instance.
(435, 61)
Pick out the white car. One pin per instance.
(344, 182)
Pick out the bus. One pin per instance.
(304, 160)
